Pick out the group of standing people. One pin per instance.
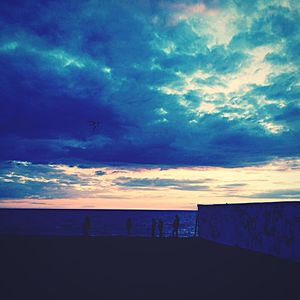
(160, 226)
(155, 223)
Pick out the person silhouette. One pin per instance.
(129, 226)
(160, 228)
(153, 227)
(86, 226)
(175, 226)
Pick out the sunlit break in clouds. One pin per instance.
(149, 104)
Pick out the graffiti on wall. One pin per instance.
(272, 228)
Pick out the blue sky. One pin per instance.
(146, 84)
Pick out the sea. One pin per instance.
(69, 222)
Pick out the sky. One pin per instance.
(149, 104)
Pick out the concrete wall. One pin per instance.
(272, 228)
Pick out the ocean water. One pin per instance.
(68, 222)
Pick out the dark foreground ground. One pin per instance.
(140, 268)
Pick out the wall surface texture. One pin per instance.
(272, 228)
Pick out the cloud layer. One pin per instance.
(22, 183)
(199, 83)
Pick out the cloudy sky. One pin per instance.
(149, 104)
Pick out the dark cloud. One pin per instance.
(100, 173)
(186, 185)
(278, 194)
(283, 86)
(25, 180)
(232, 186)
(64, 65)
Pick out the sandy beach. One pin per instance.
(140, 268)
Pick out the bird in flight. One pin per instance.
(94, 124)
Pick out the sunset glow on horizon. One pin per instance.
(148, 187)
(149, 104)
